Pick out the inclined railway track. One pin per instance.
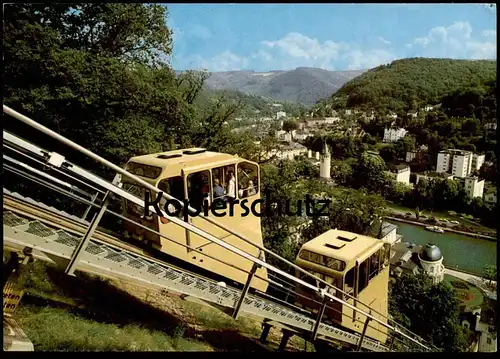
(54, 235)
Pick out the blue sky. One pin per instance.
(263, 37)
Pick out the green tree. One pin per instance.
(352, 211)
(490, 273)
(368, 172)
(431, 310)
(388, 153)
(342, 170)
(290, 125)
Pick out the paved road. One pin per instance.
(477, 281)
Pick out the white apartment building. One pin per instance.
(459, 163)
(401, 173)
(456, 162)
(394, 134)
(474, 187)
(477, 162)
(410, 156)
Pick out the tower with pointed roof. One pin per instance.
(325, 164)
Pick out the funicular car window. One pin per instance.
(143, 170)
(325, 261)
(139, 192)
(174, 186)
(248, 178)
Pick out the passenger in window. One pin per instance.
(218, 190)
(231, 188)
(251, 189)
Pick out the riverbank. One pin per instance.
(423, 224)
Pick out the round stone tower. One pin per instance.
(325, 164)
(431, 261)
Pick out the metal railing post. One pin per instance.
(393, 340)
(318, 319)
(70, 269)
(94, 197)
(187, 226)
(365, 327)
(245, 290)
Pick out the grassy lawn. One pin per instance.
(61, 313)
(467, 293)
(56, 329)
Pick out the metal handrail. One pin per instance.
(73, 145)
(273, 284)
(258, 261)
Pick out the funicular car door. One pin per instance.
(174, 186)
(198, 189)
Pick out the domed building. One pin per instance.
(431, 261)
(410, 258)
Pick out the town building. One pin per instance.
(418, 154)
(414, 259)
(394, 134)
(490, 126)
(459, 163)
(288, 151)
(477, 162)
(490, 196)
(280, 114)
(400, 173)
(301, 135)
(434, 175)
(282, 135)
(474, 187)
(386, 232)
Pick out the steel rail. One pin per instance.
(89, 176)
(188, 226)
(138, 250)
(52, 167)
(85, 174)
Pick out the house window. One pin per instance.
(488, 340)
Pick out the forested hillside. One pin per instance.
(303, 85)
(411, 83)
(252, 106)
(112, 91)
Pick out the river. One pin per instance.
(460, 252)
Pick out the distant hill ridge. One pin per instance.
(411, 83)
(304, 85)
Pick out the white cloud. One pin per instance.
(295, 49)
(358, 59)
(455, 41)
(200, 31)
(225, 61)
